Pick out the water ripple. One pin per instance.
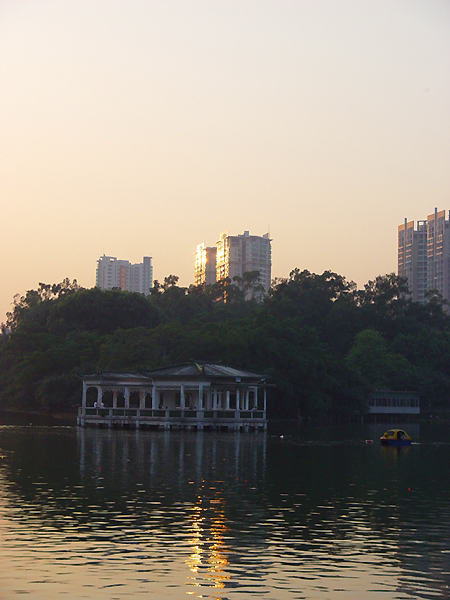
(99, 515)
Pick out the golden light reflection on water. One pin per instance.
(331, 523)
(208, 528)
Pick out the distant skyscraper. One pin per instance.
(424, 255)
(205, 265)
(121, 274)
(233, 256)
(412, 257)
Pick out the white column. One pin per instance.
(255, 401)
(215, 399)
(238, 399)
(83, 400)
(127, 398)
(227, 403)
(154, 398)
(142, 399)
(99, 396)
(200, 396)
(247, 398)
(114, 398)
(182, 397)
(265, 398)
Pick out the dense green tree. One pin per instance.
(103, 311)
(298, 362)
(309, 295)
(383, 302)
(35, 305)
(375, 366)
(324, 344)
(59, 393)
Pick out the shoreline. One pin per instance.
(70, 418)
(40, 415)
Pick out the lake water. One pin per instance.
(317, 514)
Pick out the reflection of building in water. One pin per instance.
(171, 458)
(208, 560)
(177, 489)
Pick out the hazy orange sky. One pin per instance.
(143, 128)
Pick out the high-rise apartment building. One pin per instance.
(205, 265)
(121, 274)
(424, 255)
(412, 257)
(233, 256)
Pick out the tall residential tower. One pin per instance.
(205, 265)
(233, 256)
(121, 274)
(424, 255)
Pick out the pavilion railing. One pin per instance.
(167, 414)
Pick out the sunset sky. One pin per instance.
(143, 128)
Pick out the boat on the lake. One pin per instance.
(395, 437)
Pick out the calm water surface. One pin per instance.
(317, 514)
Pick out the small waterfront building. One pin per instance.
(188, 396)
(390, 402)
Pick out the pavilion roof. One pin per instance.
(115, 375)
(192, 370)
(207, 370)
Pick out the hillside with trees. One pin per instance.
(325, 344)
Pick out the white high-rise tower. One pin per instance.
(121, 274)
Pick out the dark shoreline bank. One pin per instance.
(19, 417)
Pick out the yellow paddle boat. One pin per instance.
(395, 437)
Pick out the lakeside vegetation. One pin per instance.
(325, 344)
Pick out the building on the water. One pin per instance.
(188, 396)
(390, 402)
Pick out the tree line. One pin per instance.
(324, 343)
